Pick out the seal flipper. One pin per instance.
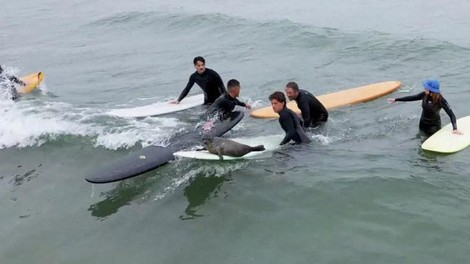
(258, 148)
(219, 153)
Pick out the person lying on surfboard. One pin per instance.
(208, 79)
(432, 102)
(313, 111)
(288, 120)
(8, 82)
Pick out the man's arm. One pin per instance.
(16, 80)
(305, 110)
(289, 127)
(186, 89)
(220, 83)
(237, 102)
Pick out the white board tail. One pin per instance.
(444, 141)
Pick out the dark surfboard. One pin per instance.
(152, 157)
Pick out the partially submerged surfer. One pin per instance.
(209, 80)
(313, 111)
(8, 82)
(431, 102)
(288, 120)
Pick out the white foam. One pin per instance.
(33, 123)
(209, 169)
(322, 139)
(257, 104)
(150, 131)
(7, 94)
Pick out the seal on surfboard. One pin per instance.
(223, 146)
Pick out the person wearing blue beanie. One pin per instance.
(432, 102)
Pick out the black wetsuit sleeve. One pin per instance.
(410, 98)
(237, 102)
(445, 105)
(188, 87)
(288, 125)
(220, 83)
(15, 80)
(305, 110)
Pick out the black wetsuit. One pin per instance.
(209, 81)
(291, 125)
(7, 82)
(313, 112)
(430, 121)
(224, 105)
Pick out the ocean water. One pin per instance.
(361, 192)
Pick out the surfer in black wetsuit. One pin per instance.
(8, 82)
(225, 104)
(208, 79)
(432, 102)
(313, 112)
(289, 121)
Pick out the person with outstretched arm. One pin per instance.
(288, 120)
(209, 80)
(8, 82)
(431, 102)
(313, 111)
(225, 104)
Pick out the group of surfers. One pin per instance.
(221, 101)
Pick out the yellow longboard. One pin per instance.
(337, 99)
(32, 82)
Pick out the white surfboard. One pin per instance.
(270, 143)
(159, 108)
(444, 141)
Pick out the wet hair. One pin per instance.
(435, 97)
(293, 85)
(278, 96)
(232, 83)
(199, 58)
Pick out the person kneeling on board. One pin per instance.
(432, 102)
(288, 120)
(209, 80)
(8, 82)
(313, 111)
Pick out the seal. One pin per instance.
(222, 146)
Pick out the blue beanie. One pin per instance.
(432, 85)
